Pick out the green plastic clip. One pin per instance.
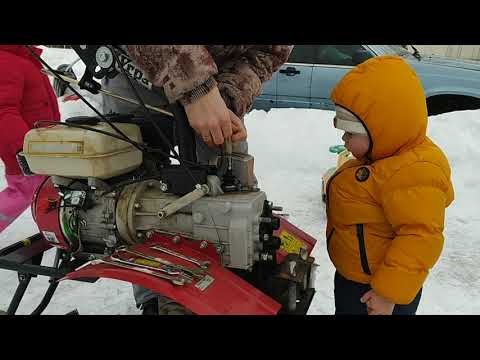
(336, 149)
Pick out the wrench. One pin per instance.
(198, 273)
(175, 280)
(163, 269)
(202, 264)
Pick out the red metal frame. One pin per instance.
(227, 295)
(46, 210)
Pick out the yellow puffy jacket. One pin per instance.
(386, 214)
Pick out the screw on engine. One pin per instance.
(266, 257)
(103, 56)
(163, 186)
(219, 248)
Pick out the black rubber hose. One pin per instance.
(53, 286)
(46, 299)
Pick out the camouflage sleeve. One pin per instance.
(240, 80)
(179, 69)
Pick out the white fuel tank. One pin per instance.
(79, 153)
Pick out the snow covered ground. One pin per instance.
(291, 154)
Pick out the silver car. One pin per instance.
(309, 76)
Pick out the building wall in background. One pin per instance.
(471, 52)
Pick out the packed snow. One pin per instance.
(291, 154)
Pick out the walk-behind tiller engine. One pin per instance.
(202, 234)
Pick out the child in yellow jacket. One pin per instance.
(385, 208)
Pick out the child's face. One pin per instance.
(357, 144)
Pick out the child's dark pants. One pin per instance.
(348, 294)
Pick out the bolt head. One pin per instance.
(203, 244)
(103, 56)
(176, 239)
(197, 218)
(227, 207)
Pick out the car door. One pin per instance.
(331, 63)
(295, 77)
(268, 97)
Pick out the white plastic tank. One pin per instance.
(80, 153)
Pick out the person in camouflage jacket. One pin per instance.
(216, 84)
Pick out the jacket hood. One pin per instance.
(387, 97)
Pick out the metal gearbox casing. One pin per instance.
(228, 222)
(232, 222)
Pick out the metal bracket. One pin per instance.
(90, 54)
(87, 83)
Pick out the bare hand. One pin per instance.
(210, 118)
(239, 131)
(376, 304)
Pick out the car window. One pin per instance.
(349, 55)
(303, 54)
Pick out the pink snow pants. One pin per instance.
(17, 197)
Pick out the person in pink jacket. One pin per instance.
(26, 96)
